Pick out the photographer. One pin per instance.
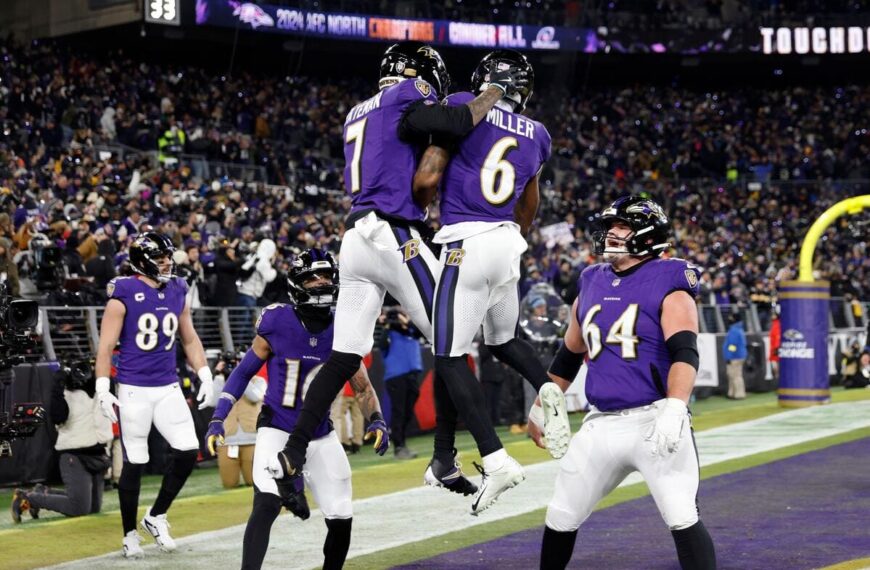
(82, 434)
(256, 273)
(402, 366)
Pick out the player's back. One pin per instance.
(492, 165)
(147, 352)
(379, 167)
(297, 356)
(620, 317)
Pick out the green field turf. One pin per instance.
(203, 505)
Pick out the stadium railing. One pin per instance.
(76, 330)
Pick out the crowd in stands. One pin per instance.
(743, 173)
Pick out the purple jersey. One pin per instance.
(620, 316)
(147, 353)
(379, 171)
(297, 356)
(494, 163)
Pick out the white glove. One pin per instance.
(206, 388)
(536, 415)
(106, 399)
(665, 434)
(274, 467)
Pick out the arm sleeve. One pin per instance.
(237, 383)
(423, 118)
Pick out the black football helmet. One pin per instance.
(505, 59)
(414, 60)
(650, 227)
(308, 264)
(145, 250)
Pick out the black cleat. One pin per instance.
(448, 474)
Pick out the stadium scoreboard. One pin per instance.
(162, 12)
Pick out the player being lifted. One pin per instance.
(489, 199)
(144, 313)
(382, 249)
(295, 340)
(636, 321)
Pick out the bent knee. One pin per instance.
(563, 519)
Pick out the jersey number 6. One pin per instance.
(495, 164)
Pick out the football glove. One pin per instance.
(206, 388)
(508, 80)
(378, 430)
(215, 435)
(292, 492)
(107, 400)
(666, 432)
(285, 463)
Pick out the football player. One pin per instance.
(295, 341)
(636, 324)
(382, 249)
(144, 313)
(489, 199)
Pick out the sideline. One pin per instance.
(396, 519)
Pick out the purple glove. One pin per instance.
(378, 429)
(215, 435)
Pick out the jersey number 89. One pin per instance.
(146, 338)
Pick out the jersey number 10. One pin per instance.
(291, 385)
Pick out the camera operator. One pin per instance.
(257, 272)
(402, 366)
(236, 455)
(82, 434)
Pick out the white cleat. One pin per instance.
(557, 428)
(158, 527)
(132, 546)
(493, 484)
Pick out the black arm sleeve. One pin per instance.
(422, 120)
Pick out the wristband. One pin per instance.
(103, 384)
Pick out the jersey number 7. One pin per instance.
(355, 134)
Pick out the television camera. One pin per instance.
(18, 319)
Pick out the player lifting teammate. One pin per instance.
(295, 340)
(636, 321)
(382, 249)
(144, 313)
(489, 199)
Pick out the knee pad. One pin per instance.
(340, 509)
(682, 524)
(563, 520)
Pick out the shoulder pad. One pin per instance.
(411, 90)
(118, 288)
(271, 318)
(683, 275)
(460, 98)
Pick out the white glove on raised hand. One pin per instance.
(107, 400)
(205, 396)
(666, 432)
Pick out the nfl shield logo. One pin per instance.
(160, 295)
(312, 342)
(616, 282)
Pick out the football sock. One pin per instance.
(180, 466)
(266, 509)
(326, 385)
(557, 548)
(445, 420)
(337, 543)
(469, 400)
(494, 461)
(695, 548)
(128, 494)
(519, 355)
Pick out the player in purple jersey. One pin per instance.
(294, 341)
(489, 197)
(636, 324)
(144, 313)
(382, 249)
